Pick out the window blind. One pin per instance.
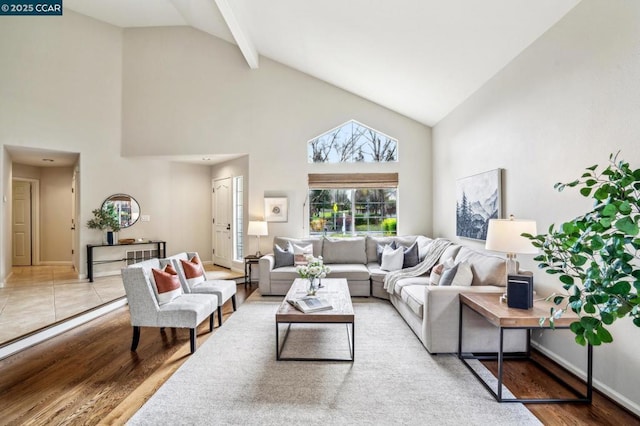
(352, 180)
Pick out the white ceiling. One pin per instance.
(421, 58)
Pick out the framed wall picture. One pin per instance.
(276, 209)
(478, 199)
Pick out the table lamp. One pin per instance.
(504, 235)
(257, 228)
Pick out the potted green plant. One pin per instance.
(105, 219)
(596, 255)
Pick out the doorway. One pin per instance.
(21, 222)
(222, 218)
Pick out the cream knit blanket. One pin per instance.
(434, 252)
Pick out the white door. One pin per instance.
(21, 223)
(222, 218)
(74, 216)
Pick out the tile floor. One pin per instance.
(37, 296)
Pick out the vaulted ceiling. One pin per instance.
(420, 58)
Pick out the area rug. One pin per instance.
(234, 377)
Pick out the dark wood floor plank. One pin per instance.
(89, 376)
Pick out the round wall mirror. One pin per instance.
(126, 207)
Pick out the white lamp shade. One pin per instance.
(257, 227)
(504, 236)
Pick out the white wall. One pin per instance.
(185, 92)
(63, 92)
(564, 104)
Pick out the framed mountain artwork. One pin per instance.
(478, 199)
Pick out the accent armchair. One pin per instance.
(183, 311)
(194, 280)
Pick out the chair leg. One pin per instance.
(211, 322)
(136, 338)
(233, 301)
(192, 338)
(219, 316)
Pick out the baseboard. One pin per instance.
(58, 328)
(614, 395)
(55, 263)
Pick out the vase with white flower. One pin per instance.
(314, 271)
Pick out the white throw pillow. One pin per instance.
(300, 254)
(392, 259)
(459, 275)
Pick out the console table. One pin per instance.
(503, 317)
(161, 247)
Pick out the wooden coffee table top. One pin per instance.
(335, 290)
(499, 314)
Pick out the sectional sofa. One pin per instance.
(431, 311)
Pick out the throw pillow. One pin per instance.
(436, 274)
(283, 257)
(193, 271)
(380, 248)
(392, 258)
(410, 256)
(459, 275)
(167, 285)
(300, 254)
(436, 271)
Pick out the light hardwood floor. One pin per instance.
(89, 376)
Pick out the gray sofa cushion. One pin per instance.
(413, 296)
(286, 273)
(351, 272)
(344, 250)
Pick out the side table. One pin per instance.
(503, 317)
(249, 261)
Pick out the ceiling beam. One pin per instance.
(239, 34)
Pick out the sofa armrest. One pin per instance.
(441, 314)
(266, 264)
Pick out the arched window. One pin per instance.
(352, 142)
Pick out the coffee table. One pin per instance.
(337, 292)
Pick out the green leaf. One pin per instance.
(581, 340)
(627, 225)
(566, 279)
(605, 222)
(621, 287)
(609, 210)
(576, 327)
(601, 193)
(607, 318)
(589, 308)
(585, 192)
(604, 335)
(592, 337)
(625, 207)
